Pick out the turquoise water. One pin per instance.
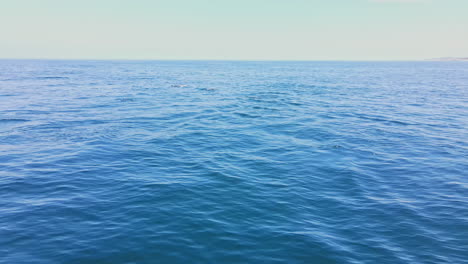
(233, 162)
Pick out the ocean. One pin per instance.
(233, 162)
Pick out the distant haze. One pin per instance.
(234, 30)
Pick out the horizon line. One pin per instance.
(239, 60)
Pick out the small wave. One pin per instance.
(125, 99)
(207, 89)
(7, 120)
(247, 115)
(51, 77)
(295, 103)
(382, 119)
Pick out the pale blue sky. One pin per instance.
(234, 29)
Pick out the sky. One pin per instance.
(234, 29)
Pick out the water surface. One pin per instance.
(233, 162)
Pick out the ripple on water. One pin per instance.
(233, 162)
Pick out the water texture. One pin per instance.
(233, 162)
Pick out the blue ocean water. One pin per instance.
(233, 162)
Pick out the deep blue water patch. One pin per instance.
(233, 162)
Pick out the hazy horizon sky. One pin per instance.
(234, 30)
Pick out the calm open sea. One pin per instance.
(233, 162)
